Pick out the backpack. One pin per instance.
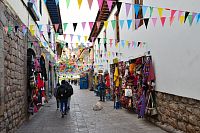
(70, 91)
(62, 92)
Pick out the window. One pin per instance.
(140, 16)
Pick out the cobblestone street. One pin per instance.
(82, 118)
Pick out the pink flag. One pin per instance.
(171, 20)
(56, 27)
(100, 2)
(90, 3)
(91, 25)
(173, 12)
(109, 3)
(137, 22)
(154, 21)
(98, 24)
(163, 20)
(111, 42)
(83, 25)
(64, 35)
(128, 6)
(179, 14)
(6, 29)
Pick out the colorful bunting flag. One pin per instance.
(91, 25)
(119, 4)
(190, 20)
(109, 3)
(128, 6)
(67, 3)
(106, 24)
(127, 43)
(90, 3)
(172, 13)
(71, 35)
(65, 26)
(146, 21)
(136, 8)
(163, 20)
(193, 16)
(56, 27)
(198, 18)
(83, 25)
(79, 38)
(179, 14)
(56, 34)
(171, 20)
(144, 10)
(160, 11)
(6, 29)
(100, 2)
(129, 22)
(154, 20)
(110, 42)
(79, 3)
(113, 24)
(64, 36)
(74, 25)
(40, 27)
(137, 23)
(86, 38)
(186, 15)
(121, 23)
(182, 19)
(98, 23)
(151, 11)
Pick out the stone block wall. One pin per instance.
(179, 112)
(14, 63)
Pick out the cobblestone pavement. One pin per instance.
(82, 119)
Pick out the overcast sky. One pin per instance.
(74, 15)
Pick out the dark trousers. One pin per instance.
(63, 105)
(58, 102)
(102, 95)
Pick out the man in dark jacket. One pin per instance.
(102, 90)
(62, 93)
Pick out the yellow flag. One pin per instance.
(160, 11)
(77, 45)
(117, 44)
(79, 3)
(108, 53)
(182, 19)
(32, 27)
(106, 24)
(32, 32)
(86, 38)
(127, 42)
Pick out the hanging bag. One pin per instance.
(151, 110)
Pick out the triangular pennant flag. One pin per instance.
(172, 13)
(90, 3)
(74, 25)
(113, 24)
(41, 33)
(119, 4)
(198, 17)
(79, 3)
(100, 2)
(77, 45)
(65, 26)
(190, 19)
(16, 28)
(91, 25)
(86, 38)
(171, 20)
(154, 20)
(40, 27)
(121, 23)
(127, 42)
(56, 34)
(144, 10)
(71, 35)
(122, 43)
(146, 21)
(128, 6)
(79, 38)
(179, 14)
(117, 44)
(163, 20)
(67, 2)
(106, 24)
(151, 11)
(56, 27)
(83, 25)
(24, 29)
(129, 22)
(32, 27)
(64, 36)
(48, 28)
(98, 23)
(109, 3)
(193, 16)
(6, 29)
(32, 32)
(110, 42)
(9, 29)
(186, 15)
(137, 23)
(182, 19)
(133, 43)
(136, 8)
(160, 11)
(99, 40)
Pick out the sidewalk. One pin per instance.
(82, 119)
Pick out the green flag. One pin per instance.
(151, 11)
(113, 23)
(65, 26)
(190, 19)
(67, 1)
(57, 35)
(9, 29)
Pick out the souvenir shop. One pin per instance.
(36, 75)
(133, 85)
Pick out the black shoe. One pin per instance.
(65, 113)
(62, 115)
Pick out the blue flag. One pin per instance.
(121, 23)
(137, 8)
(129, 22)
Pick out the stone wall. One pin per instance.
(14, 59)
(179, 112)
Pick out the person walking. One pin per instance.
(56, 95)
(102, 88)
(62, 93)
(70, 93)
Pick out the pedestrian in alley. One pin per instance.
(70, 93)
(56, 95)
(63, 97)
(102, 90)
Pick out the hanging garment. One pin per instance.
(151, 73)
(116, 77)
(142, 106)
(107, 81)
(40, 82)
(132, 68)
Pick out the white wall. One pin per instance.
(175, 49)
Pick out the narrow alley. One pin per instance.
(81, 118)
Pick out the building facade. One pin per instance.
(172, 39)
